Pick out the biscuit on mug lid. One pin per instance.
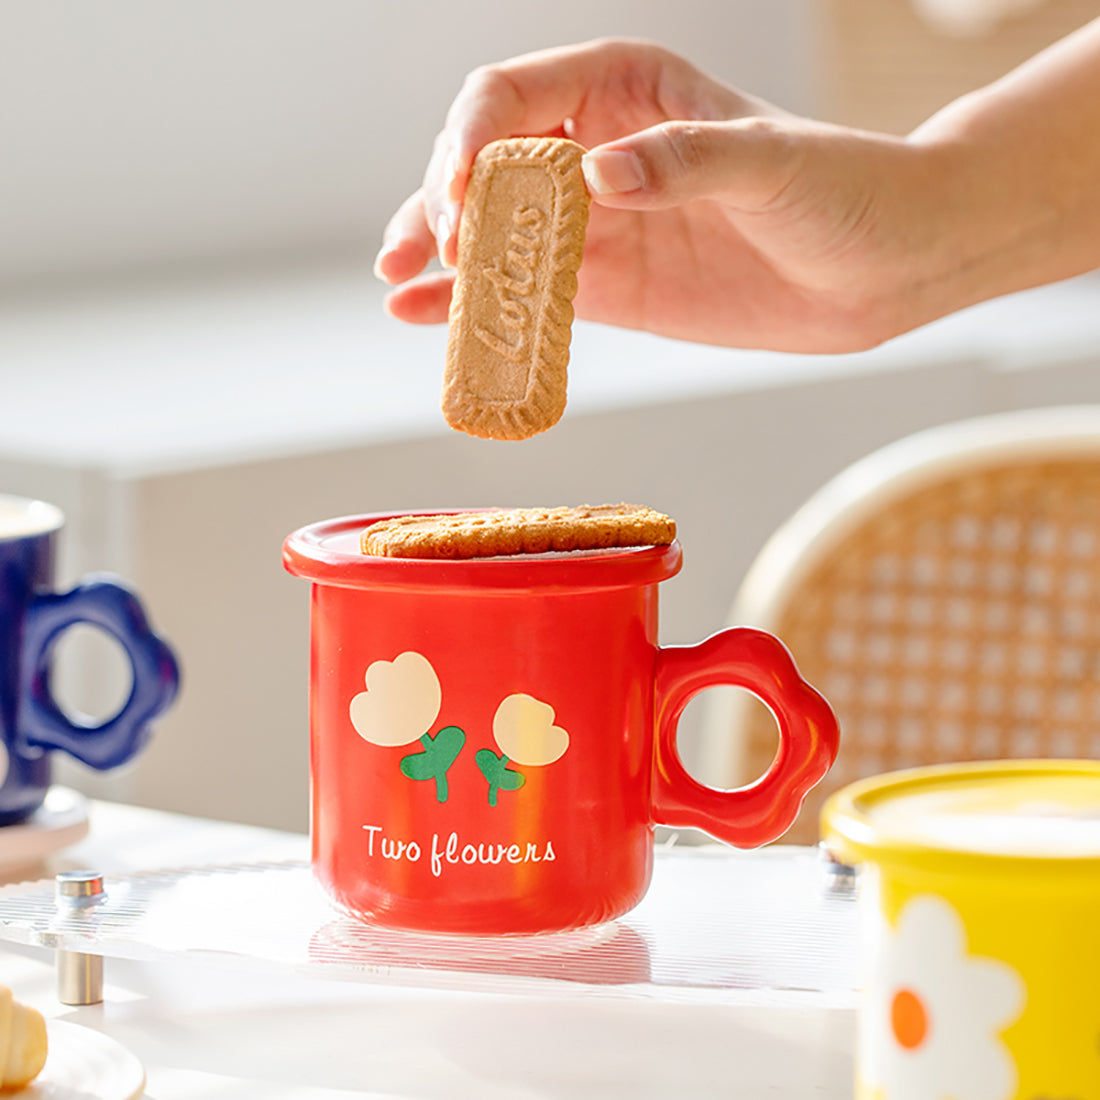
(517, 531)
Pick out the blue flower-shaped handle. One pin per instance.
(112, 607)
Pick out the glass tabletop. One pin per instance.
(771, 926)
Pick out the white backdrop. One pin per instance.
(139, 134)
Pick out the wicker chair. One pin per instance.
(944, 594)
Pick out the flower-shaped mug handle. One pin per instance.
(113, 608)
(808, 737)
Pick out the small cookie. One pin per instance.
(517, 531)
(23, 1042)
(519, 247)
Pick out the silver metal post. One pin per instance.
(79, 976)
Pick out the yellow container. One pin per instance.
(980, 888)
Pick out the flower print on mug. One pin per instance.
(933, 1014)
(524, 730)
(401, 703)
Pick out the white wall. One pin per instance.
(150, 133)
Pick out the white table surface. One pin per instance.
(201, 1031)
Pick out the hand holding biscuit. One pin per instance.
(719, 218)
(716, 217)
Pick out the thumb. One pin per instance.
(746, 162)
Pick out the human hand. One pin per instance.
(716, 217)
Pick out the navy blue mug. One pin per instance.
(32, 618)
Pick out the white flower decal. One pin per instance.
(932, 1015)
(524, 729)
(401, 702)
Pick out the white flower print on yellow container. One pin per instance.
(981, 892)
(934, 1013)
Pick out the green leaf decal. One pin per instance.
(497, 773)
(434, 762)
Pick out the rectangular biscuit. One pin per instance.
(517, 531)
(520, 243)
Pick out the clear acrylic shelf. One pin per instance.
(773, 926)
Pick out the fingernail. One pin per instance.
(612, 171)
(383, 252)
(450, 170)
(444, 227)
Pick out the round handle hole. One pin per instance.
(90, 675)
(727, 737)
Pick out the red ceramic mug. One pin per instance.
(493, 740)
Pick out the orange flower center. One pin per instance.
(909, 1019)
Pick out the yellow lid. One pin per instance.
(1033, 810)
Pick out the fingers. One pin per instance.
(607, 87)
(423, 301)
(407, 243)
(747, 162)
(532, 94)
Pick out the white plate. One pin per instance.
(83, 1064)
(61, 820)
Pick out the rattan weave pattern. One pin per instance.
(961, 623)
